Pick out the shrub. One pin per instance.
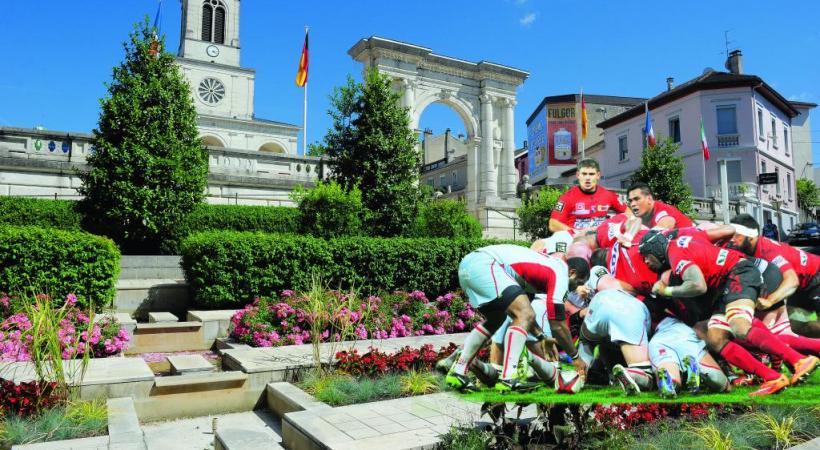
(535, 213)
(328, 211)
(231, 269)
(39, 212)
(446, 219)
(59, 262)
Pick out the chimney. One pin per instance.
(669, 83)
(735, 62)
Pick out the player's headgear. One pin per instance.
(654, 243)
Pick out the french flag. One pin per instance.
(650, 133)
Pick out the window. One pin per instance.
(774, 132)
(726, 120)
(623, 149)
(760, 131)
(762, 166)
(430, 182)
(786, 140)
(442, 180)
(789, 185)
(733, 172)
(625, 183)
(674, 129)
(777, 186)
(213, 21)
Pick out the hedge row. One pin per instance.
(39, 212)
(36, 260)
(230, 269)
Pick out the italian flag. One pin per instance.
(703, 142)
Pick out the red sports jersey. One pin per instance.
(662, 210)
(695, 232)
(627, 265)
(580, 210)
(714, 262)
(606, 231)
(786, 257)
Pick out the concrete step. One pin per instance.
(162, 317)
(185, 364)
(197, 432)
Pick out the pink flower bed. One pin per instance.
(287, 320)
(106, 337)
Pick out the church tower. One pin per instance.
(222, 90)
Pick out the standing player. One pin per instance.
(655, 213)
(704, 267)
(584, 206)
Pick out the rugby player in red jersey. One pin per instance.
(801, 273)
(655, 213)
(704, 267)
(584, 206)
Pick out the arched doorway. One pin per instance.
(212, 141)
(443, 144)
(272, 147)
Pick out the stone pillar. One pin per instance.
(408, 98)
(487, 173)
(508, 172)
(473, 163)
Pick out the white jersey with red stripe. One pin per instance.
(535, 273)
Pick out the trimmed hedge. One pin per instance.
(39, 212)
(230, 269)
(57, 262)
(267, 219)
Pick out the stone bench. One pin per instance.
(167, 337)
(185, 364)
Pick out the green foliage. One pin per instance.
(52, 425)
(808, 194)
(419, 383)
(535, 213)
(446, 219)
(328, 210)
(39, 212)
(230, 268)
(316, 149)
(469, 438)
(59, 262)
(149, 169)
(372, 147)
(341, 389)
(663, 172)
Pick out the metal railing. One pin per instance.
(514, 219)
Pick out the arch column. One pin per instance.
(508, 172)
(473, 152)
(488, 175)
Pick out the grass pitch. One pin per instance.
(806, 393)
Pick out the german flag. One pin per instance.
(302, 74)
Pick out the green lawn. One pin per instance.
(806, 393)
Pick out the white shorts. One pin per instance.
(539, 305)
(674, 340)
(483, 279)
(617, 317)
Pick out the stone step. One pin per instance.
(185, 364)
(283, 398)
(198, 382)
(243, 439)
(123, 424)
(162, 317)
(196, 432)
(150, 266)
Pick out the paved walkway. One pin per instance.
(197, 433)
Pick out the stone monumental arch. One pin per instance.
(483, 94)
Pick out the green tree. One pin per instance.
(808, 194)
(328, 211)
(372, 147)
(316, 149)
(149, 169)
(662, 170)
(535, 213)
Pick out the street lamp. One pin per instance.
(777, 202)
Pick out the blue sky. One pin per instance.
(59, 54)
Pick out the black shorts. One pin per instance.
(808, 298)
(744, 281)
(772, 279)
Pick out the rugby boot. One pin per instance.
(460, 382)
(803, 368)
(666, 388)
(444, 364)
(770, 387)
(692, 374)
(515, 385)
(741, 380)
(627, 383)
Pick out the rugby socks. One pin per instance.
(742, 359)
(802, 344)
(543, 368)
(514, 341)
(714, 378)
(475, 340)
(763, 339)
(641, 374)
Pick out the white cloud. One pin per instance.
(801, 97)
(527, 20)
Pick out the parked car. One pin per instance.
(805, 233)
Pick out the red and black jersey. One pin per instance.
(627, 265)
(786, 257)
(714, 262)
(695, 232)
(662, 210)
(579, 210)
(607, 231)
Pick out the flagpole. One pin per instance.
(583, 138)
(304, 115)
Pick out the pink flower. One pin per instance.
(71, 299)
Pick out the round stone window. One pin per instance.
(211, 91)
